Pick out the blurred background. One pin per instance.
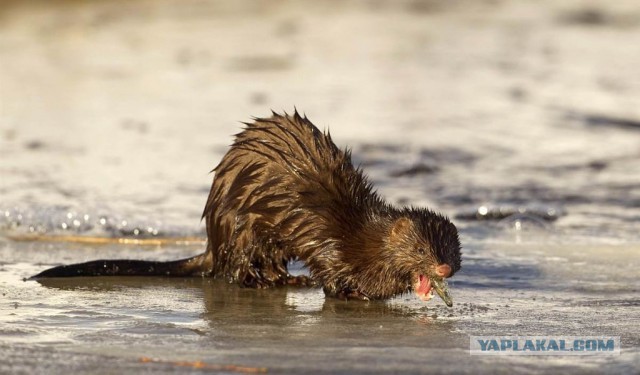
(518, 119)
(119, 109)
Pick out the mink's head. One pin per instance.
(429, 248)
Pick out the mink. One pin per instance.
(285, 192)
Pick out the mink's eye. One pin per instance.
(421, 250)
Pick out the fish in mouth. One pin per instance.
(424, 285)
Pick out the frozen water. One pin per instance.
(518, 120)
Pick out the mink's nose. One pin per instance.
(443, 270)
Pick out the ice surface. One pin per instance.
(519, 120)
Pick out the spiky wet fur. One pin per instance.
(283, 192)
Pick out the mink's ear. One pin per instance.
(400, 229)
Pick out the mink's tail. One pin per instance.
(194, 266)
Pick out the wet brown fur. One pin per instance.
(284, 192)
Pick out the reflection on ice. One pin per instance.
(304, 300)
(62, 220)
